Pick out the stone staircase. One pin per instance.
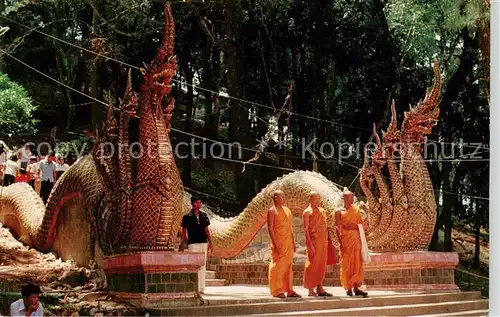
(418, 304)
(212, 280)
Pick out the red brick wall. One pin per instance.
(384, 278)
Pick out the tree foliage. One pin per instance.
(16, 109)
(347, 59)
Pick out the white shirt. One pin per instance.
(17, 308)
(32, 168)
(11, 168)
(46, 170)
(62, 167)
(25, 154)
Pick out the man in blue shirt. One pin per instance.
(195, 225)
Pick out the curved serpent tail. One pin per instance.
(231, 235)
(23, 210)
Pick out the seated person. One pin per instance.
(29, 305)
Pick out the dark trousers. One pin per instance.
(8, 179)
(45, 189)
(32, 183)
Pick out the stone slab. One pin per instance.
(153, 261)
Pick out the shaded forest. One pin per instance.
(287, 72)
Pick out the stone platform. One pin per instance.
(255, 300)
(155, 278)
(387, 271)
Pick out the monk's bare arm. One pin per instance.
(337, 223)
(183, 239)
(305, 224)
(209, 237)
(271, 217)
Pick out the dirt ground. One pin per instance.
(68, 289)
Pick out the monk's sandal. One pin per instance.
(361, 293)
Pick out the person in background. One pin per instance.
(24, 155)
(3, 160)
(22, 177)
(195, 225)
(32, 171)
(11, 170)
(61, 167)
(3, 154)
(46, 175)
(30, 304)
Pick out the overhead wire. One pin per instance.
(219, 158)
(208, 90)
(226, 159)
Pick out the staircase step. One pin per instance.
(210, 275)
(216, 282)
(396, 310)
(211, 266)
(481, 312)
(427, 303)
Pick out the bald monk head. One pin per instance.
(314, 199)
(348, 198)
(278, 198)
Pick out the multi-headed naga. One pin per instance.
(403, 215)
(120, 198)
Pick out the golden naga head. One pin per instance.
(420, 120)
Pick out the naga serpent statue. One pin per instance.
(110, 202)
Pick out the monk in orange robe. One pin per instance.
(279, 224)
(316, 232)
(351, 261)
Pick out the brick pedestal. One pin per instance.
(412, 271)
(155, 279)
(387, 271)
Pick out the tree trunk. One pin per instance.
(65, 75)
(394, 91)
(477, 248)
(2, 42)
(186, 172)
(97, 107)
(302, 103)
(483, 29)
(447, 208)
(239, 124)
(295, 71)
(210, 80)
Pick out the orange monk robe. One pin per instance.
(351, 261)
(315, 267)
(280, 267)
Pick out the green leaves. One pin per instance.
(16, 108)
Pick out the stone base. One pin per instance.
(387, 271)
(155, 279)
(412, 271)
